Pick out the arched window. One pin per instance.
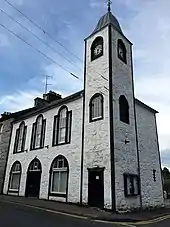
(62, 127)
(96, 107)
(121, 51)
(38, 133)
(97, 48)
(35, 165)
(59, 176)
(20, 137)
(15, 176)
(124, 109)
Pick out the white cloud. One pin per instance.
(149, 30)
(97, 4)
(18, 101)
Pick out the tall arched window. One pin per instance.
(97, 48)
(59, 176)
(15, 176)
(20, 137)
(124, 109)
(96, 107)
(62, 126)
(121, 51)
(38, 133)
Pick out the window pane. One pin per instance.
(38, 132)
(135, 184)
(38, 139)
(129, 186)
(63, 182)
(62, 133)
(15, 181)
(55, 182)
(97, 107)
(21, 133)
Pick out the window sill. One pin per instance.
(38, 148)
(18, 152)
(55, 194)
(131, 196)
(54, 145)
(96, 119)
(13, 191)
(124, 61)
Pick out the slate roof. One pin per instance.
(107, 19)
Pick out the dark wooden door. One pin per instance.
(96, 188)
(33, 184)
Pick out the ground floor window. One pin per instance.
(59, 176)
(131, 184)
(15, 176)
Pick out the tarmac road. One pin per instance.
(12, 215)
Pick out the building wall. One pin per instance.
(125, 155)
(152, 192)
(4, 146)
(71, 151)
(96, 134)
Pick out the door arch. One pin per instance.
(33, 179)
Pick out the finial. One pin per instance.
(109, 5)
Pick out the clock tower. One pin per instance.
(109, 150)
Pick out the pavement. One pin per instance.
(87, 213)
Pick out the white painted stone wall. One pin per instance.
(125, 154)
(71, 151)
(152, 192)
(97, 137)
(97, 134)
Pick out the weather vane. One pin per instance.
(109, 5)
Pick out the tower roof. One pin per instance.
(107, 19)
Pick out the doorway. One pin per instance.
(33, 179)
(96, 187)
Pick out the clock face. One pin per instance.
(98, 50)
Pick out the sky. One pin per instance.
(23, 69)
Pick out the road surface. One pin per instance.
(12, 215)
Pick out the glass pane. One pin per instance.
(21, 133)
(15, 181)
(55, 182)
(37, 141)
(63, 182)
(62, 132)
(97, 107)
(135, 183)
(129, 186)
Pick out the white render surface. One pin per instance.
(97, 134)
(72, 152)
(152, 192)
(125, 154)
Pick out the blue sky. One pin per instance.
(22, 70)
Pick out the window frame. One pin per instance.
(97, 41)
(17, 138)
(56, 127)
(120, 44)
(131, 177)
(12, 173)
(124, 115)
(32, 164)
(34, 133)
(91, 118)
(59, 170)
